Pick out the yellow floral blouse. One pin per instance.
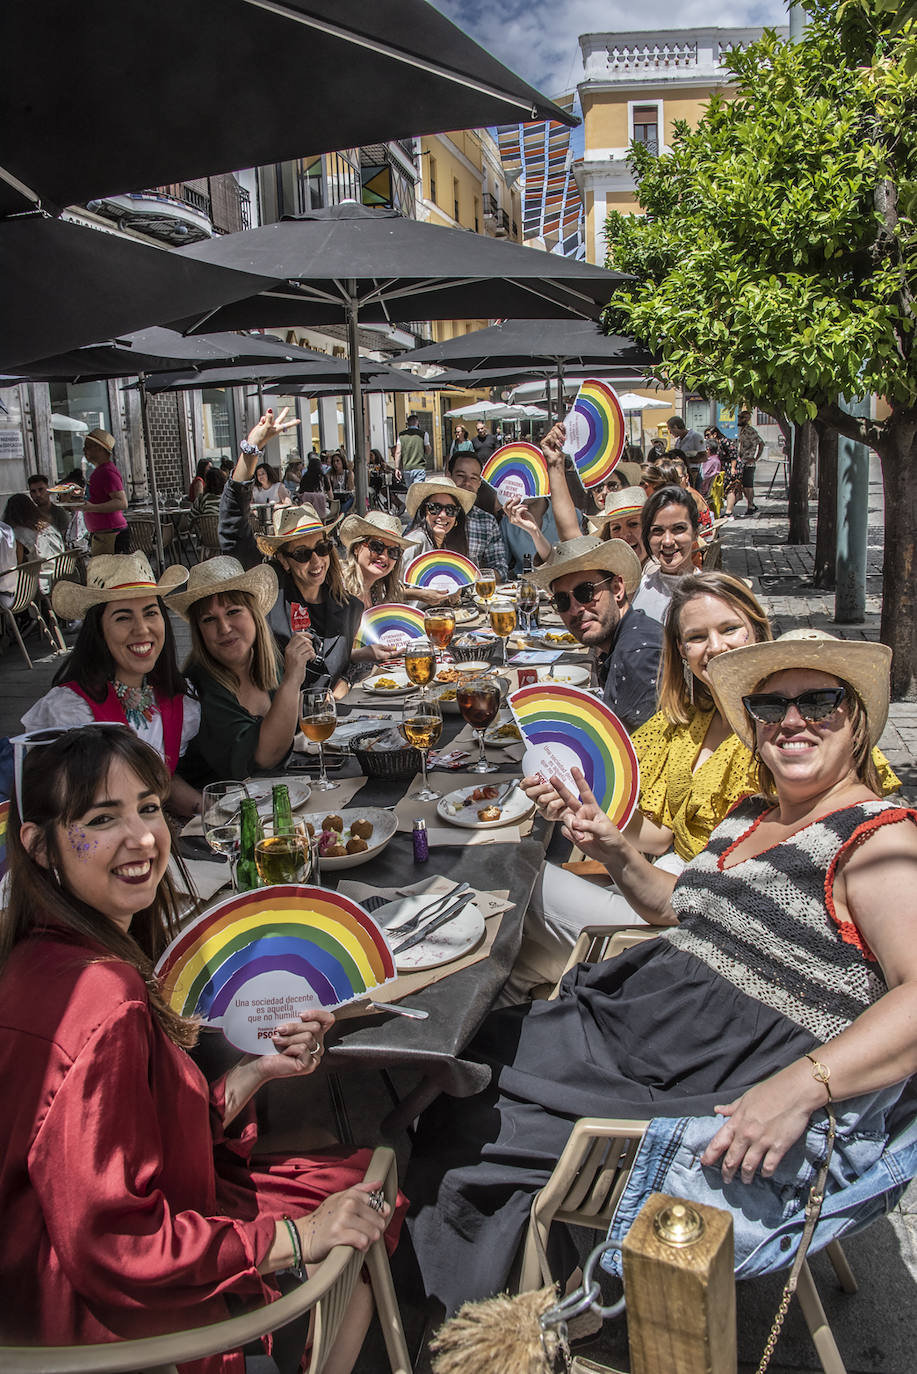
(690, 804)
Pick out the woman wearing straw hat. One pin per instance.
(622, 518)
(372, 569)
(312, 597)
(437, 508)
(123, 665)
(783, 987)
(249, 698)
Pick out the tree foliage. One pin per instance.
(771, 264)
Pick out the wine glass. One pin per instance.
(439, 623)
(317, 719)
(479, 701)
(422, 725)
(527, 601)
(221, 819)
(486, 584)
(502, 622)
(420, 663)
(283, 858)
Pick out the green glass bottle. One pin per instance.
(251, 832)
(283, 811)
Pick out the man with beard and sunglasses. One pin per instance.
(592, 581)
(312, 598)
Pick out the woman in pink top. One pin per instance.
(104, 510)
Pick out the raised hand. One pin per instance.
(268, 427)
(552, 445)
(585, 824)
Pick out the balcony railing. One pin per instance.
(180, 190)
(490, 205)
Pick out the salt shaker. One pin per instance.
(421, 841)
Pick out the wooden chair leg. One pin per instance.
(11, 621)
(819, 1328)
(845, 1275)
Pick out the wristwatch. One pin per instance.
(250, 450)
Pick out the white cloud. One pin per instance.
(539, 38)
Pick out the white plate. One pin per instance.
(385, 823)
(261, 791)
(464, 615)
(492, 735)
(570, 674)
(454, 940)
(396, 675)
(514, 808)
(471, 668)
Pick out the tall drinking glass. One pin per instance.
(486, 584)
(420, 663)
(422, 725)
(502, 622)
(527, 601)
(439, 623)
(479, 702)
(283, 858)
(221, 819)
(317, 719)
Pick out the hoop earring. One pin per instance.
(689, 680)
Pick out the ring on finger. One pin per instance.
(316, 1051)
(376, 1200)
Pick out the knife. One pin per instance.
(442, 919)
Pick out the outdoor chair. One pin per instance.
(206, 529)
(594, 1166)
(27, 597)
(182, 543)
(326, 1292)
(143, 536)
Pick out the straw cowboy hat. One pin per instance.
(292, 522)
(588, 553)
(863, 666)
(369, 526)
(632, 471)
(114, 577)
(223, 574)
(437, 486)
(618, 506)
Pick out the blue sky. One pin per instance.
(538, 38)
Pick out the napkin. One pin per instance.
(499, 754)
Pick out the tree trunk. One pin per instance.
(825, 570)
(899, 568)
(803, 441)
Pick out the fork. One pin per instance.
(410, 925)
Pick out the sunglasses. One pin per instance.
(377, 549)
(583, 592)
(434, 508)
(771, 708)
(34, 739)
(304, 553)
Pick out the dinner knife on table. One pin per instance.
(448, 914)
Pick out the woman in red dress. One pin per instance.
(129, 1201)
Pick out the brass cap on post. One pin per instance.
(678, 1224)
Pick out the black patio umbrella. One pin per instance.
(134, 94)
(536, 346)
(159, 350)
(352, 263)
(64, 285)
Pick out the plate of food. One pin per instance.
(464, 615)
(503, 735)
(558, 639)
(351, 836)
(389, 683)
(454, 940)
(261, 790)
(484, 807)
(569, 673)
(456, 672)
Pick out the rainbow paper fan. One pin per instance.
(442, 570)
(518, 470)
(259, 958)
(595, 432)
(391, 624)
(566, 728)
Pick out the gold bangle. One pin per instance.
(822, 1074)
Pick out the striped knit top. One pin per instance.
(769, 926)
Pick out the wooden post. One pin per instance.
(681, 1310)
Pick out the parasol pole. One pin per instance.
(359, 452)
(151, 473)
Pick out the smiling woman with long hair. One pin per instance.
(123, 666)
(128, 1210)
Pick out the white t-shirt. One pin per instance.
(655, 592)
(277, 493)
(62, 707)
